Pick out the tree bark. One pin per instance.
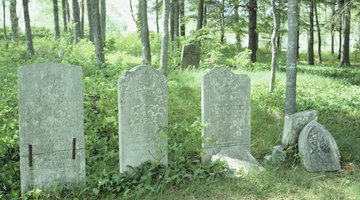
(144, 32)
(345, 55)
(4, 18)
(82, 18)
(157, 16)
(165, 38)
(222, 22)
(318, 34)
(68, 11)
(253, 36)
(182, 17)
(56, 19)
(291, 58)
(237, 21)
(274, 62)
(340, 4)
(311, 35)
(76, 19)
(14, 20)
(99, 46)
(103, 20)
(332, 28)
(172, 20)
(29, 37)
(176, 18)
(90, 19)
(200, 16)
(63, 5)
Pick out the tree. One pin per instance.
(76, 19)
(82, 18)
(345, 54)
(157, 16)
(222, 22)
(274, 47)
(63, 5)
(318, 33)
(91, 23)
(200, 15)
(332, 28)
(291, 58)
(144, 32)
(103, 20)
(14, 20)
(56, 18)
(4, 17)
(253, 36)
(165, 38)
(29, 37)
(311, 34)
(97, 37)
(340, 4)
(237, 21)
(182, 17)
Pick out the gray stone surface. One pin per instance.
(225, 102)
(190, 55)
(51, 122)
(293, 125)
(242, 162)
(318, 149)
(142, 117)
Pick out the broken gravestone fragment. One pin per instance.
(294, 123)
(318, 149)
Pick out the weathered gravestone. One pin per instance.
(318, 149)
(52, 146)
(190, 55)
(142, 117)
(294, 123)
(225, 105)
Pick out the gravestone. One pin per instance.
(225, 105)
(293, 124)
(190, 55)
(142, 117)
(52, 146)
(318, 149)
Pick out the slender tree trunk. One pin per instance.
(311, 35)
(29, 37)
(253, 36)
(68, 11)
(165, 38)
(99, 46)
(56, 19)
(103, 20)
(90, 19)
(340, 4)
(63, 5)
(82, 18)
(145, 42)
(172, 21)
(157, 16)
(76, 19)
(332, 28)
(205, 14)
(176, 18)
(274, 62)
(318, 34)
(14, 20)
(200, 16)
(345, 55)
(222, 23)
(291, 58)
(182, 17)
(237, 21)
(4, 18)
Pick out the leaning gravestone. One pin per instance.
(318, 149)
(142, 117)
(52, 146)
(225, 105)
(190, 55)
(293, 124)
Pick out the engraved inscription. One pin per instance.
(317, 141)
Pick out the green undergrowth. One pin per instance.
(333, 91)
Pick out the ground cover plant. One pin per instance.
(333, 91)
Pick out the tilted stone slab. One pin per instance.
(294, 123)
(190, 55)
(142, 117)
(318, 149)
(225, 101)
(52, 146)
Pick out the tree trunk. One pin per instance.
(345, 55)
(205, 19)
(157, 16)
(56, 19)
(172, 21)
(237, 21)
(222, 22)
(332, 28)
(14, 20)
(165, 38)
(103, 20)
(82, 19)
(318, 34)
(4, 18)
(95, 18)
(200, 16)
(253, 36)
(90, 19)
(29, 37)
(311, 35)
(76, 19)
(63, 5)
(340, 4)
(274, 62)
(68, 11)
(291, 58)
(144, 32)
(182, 17)
(176, 18)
